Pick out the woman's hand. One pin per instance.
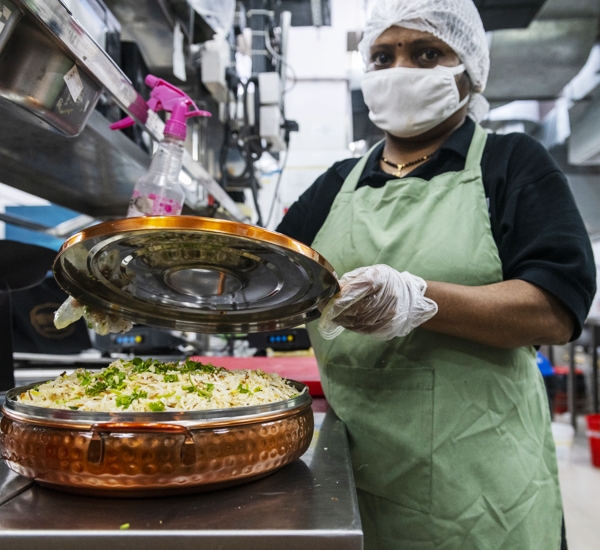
(379, 301)
(100, 322)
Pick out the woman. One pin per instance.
(460, 252)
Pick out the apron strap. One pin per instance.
(353, 178)
(476, 148)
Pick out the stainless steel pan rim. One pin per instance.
(206, 418)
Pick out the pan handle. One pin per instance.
(139, 427)
(95, 453)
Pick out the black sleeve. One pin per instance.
(294, 223)
(541, 236)
(307, 215)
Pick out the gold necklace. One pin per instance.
(400, 167)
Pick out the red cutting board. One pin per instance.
(302, 369)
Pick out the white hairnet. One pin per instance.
(456, 22)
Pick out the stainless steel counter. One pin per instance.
(309, 504)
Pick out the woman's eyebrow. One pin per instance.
(383, 45)
(421, 42)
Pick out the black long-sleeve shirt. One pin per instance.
(535, 222)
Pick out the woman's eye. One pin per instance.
(429, 56)
(381, 58)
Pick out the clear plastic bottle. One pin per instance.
(159, 193)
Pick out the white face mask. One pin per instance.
(407, 102)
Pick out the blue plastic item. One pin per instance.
(544, 365)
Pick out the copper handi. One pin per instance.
(153, 454)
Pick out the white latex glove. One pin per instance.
(102, 323)
(379, 301)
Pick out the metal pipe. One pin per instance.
(316, 9)
(258, 17)
(595, 335)
(285, 23)
(10, 24)
(571, 386)
(7, 375)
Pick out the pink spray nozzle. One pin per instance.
(123, 123)
(166, 97)
(179, 114)
(151, 80)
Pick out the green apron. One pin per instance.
(450, 440)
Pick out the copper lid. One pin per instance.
(195, 274)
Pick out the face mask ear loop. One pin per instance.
(452, 70)
(463, 102)
(459, 69)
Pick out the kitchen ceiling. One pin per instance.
(149, 23)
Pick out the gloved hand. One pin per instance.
(102, 323)
(379, 301)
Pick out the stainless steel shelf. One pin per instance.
(56, 20)
(309, 504)
(93, 173)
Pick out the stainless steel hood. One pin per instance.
(145, 23)
(538, 62)
(507, 14)
(568, 9)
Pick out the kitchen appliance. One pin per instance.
(22, 266)
(140, 340)
(292, 339)
(33, 321)
(129, 454)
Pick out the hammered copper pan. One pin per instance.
(153, 454)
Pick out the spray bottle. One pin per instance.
(158, 193)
